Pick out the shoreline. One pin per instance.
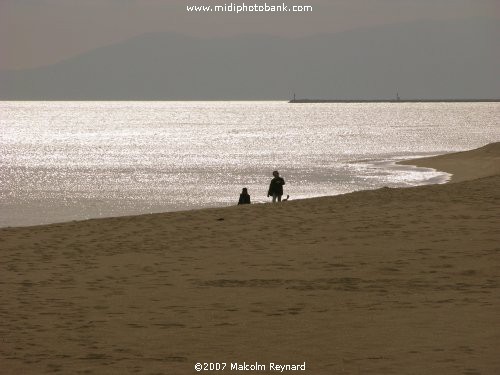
(382, 164)
(393, 280)
(442, 163)
(463, 165)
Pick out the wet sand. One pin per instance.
(390, 281)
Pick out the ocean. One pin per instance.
(62, 161)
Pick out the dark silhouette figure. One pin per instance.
(244, 197)
(276, 187)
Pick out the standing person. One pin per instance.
(244, 197)
(276, 187)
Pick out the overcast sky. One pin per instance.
(40, 32)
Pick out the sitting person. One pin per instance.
(244, 197)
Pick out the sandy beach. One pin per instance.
(389, 281)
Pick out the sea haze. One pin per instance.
(425, 60)
(63, 161)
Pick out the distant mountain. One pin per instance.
(456, 59)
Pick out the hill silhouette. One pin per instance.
(456, 59)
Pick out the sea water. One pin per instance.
(62, 161)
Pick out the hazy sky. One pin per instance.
(40, 32)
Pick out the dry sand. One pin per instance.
(391, 281)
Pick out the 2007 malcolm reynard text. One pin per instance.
(244, 366)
